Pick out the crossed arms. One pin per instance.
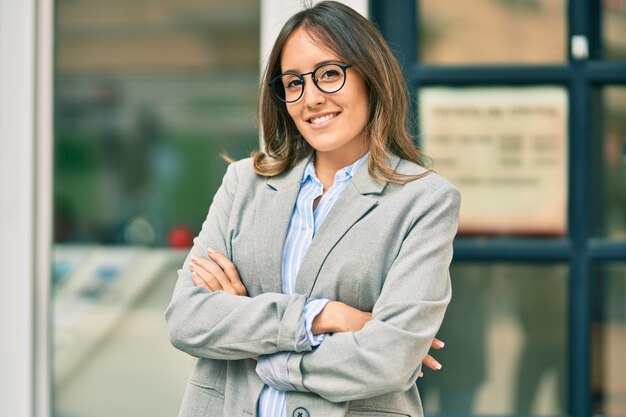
(366, 354)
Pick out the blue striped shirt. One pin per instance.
(303, 225)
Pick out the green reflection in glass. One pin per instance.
(506, 342)
(147, 96)
(492, 31)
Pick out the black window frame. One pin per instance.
(398, 22)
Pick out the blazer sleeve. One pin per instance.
(385, 356)
(219, 325)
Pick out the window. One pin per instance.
(467, 53)
(148, 94)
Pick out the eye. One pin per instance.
(291, 81)
(330, 74)
(294, 83)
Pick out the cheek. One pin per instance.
(361, 109)
(293, 112)
(360, 102)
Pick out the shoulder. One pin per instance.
(431, 185)
(241, 168)
(241, 172)
(430, 179)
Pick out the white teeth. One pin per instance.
(323, 118)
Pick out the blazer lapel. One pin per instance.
(272, 214)
(351, 206)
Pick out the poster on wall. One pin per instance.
(506, 150)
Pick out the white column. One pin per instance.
(17, 170)
(25, 128)
(44, 180)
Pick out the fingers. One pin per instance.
(211, 274)
(431, 363)
(230, 270)
(199, 281)
(217, 274)
(210, 284)
(429, 360)
(437, 344)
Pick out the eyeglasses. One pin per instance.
(328, 78)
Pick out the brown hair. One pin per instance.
(355, 39)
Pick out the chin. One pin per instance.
(321, 146)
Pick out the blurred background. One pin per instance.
(520, 103)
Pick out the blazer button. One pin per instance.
(300, 412)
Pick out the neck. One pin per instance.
(328, 163)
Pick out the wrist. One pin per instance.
(323, 322)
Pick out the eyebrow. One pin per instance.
(328, 61)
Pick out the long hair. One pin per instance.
(358, 41)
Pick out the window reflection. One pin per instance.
(613, 28)
(610, 177)
(608, 365)
(147, 96)
(492, 31)
(506, 342)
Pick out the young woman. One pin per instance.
(320, 276)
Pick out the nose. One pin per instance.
(312, 95)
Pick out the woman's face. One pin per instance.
(330, 122)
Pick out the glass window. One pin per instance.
(613, 29)
(148, 95)
(609, 202)
(608, 366)
(492, 32)
(111, 352)
(506, 342)
(505, 148)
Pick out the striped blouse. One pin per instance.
(303, 225)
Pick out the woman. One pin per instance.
(326, 258)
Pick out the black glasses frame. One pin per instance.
(272, 83)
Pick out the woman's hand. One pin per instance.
(429, 360)
(338, 317)
(220, 277)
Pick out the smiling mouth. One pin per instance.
(322, 119)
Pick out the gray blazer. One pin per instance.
(383, 247)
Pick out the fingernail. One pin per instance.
(194, 259)
(438, 366)
(191, 266)
(441, 344)
(211, 250)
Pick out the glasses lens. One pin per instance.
(288, 87)
(330, 78)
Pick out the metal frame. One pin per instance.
(398, 22)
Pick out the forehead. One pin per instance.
(303, 51)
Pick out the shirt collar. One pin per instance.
(344, 174)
